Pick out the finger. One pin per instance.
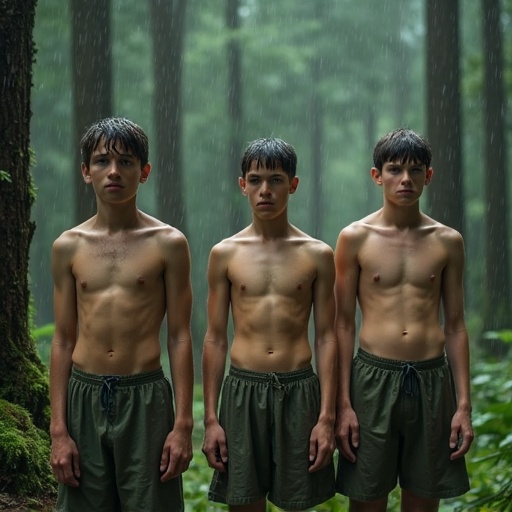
(454, 437)
(354, 437)
(76, 465)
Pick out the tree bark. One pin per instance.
(497, 303)
(22, 375)
(92, 84)
(168, 24)
(235, 113)
(443, 112)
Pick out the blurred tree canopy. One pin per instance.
(329, 77)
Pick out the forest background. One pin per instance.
(328, 76)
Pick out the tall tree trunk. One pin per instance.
(92, 84)
(317, 127)
(235, 111)
(168, 24)
(443, 112)
(497, 308)
(22, 375)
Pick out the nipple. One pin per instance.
(376, 278)
(433, 277)
(83, 284)
(242, 287)
(299, 286)
(141, 280)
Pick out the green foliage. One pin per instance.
(24, 454)
(490, 458)
(5, 176)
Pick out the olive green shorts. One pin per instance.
(268, 419)
(404, 409)
(120, 424)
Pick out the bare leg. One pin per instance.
(256, 506)
(413, 503)
(369, 506)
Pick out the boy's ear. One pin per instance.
(294, 183)
(428, 177)
(241, 184)
(145, 173)
(376, 175)
(86, 175)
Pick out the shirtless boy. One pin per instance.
(116, 443)
(274, 436)
(400, 413)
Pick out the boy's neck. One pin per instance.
(402, 217)
(117, 217)
(271, 229)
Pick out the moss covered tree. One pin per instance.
(23, 380)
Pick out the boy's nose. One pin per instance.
(113, 170)
(265, 189)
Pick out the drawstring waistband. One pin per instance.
(107, 393)
(276, 379)
(410, 379)
(410, 369)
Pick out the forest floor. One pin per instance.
(9, 503)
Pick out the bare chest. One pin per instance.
(282, 273)
(103, 263)
(389, 262)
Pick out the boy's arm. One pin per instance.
(214, 357)
(457, 345)
(64, 453)
(322, 436)
(345, 291)
(177, 451)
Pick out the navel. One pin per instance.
(110, 353)
(404, 332)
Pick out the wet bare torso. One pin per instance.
(121, 300)
(399, 290)
(271, 298)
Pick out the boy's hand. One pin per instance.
(321, 446)
(462, 434)
(176, 454)
(215, 447)
(65, 460)
(347, 433)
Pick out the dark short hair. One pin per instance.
(402, 145)
(270, 153)
(115, 130)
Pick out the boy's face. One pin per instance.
(402, 182)
(115, 173)
(267, 189)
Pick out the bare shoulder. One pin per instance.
(357, 232)
(67, 243)
(448, 236)
(168, 237)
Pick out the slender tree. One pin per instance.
(497, 303)
(168, 28)
(235, 111)
(317, 124)
(443, 112)
(92, 84)
(22, 376)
